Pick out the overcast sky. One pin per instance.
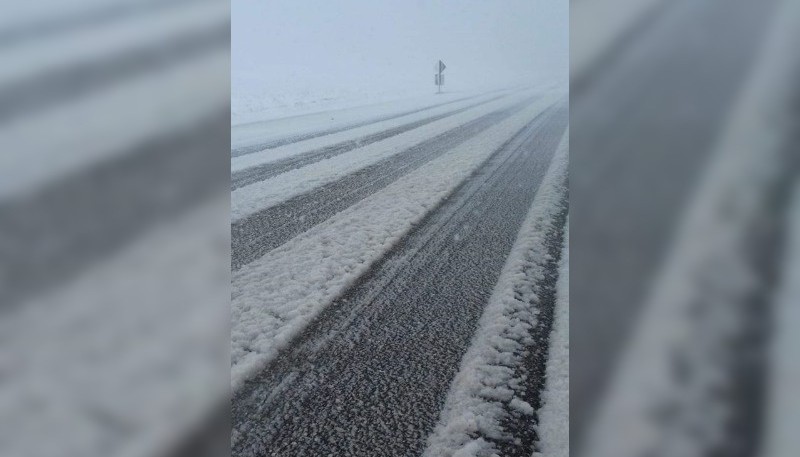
(396, 43)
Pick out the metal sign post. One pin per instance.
(440, 77)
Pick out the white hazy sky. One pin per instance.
(382, 45)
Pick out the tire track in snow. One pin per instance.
(369, 376)
(244, 150)
(257, 234)
(271, 169)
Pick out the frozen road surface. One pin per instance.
(395, 286)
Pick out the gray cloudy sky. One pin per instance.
(395, 43)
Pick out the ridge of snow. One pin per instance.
(553, 424)
(475, 404)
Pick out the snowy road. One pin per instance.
(346, 125)
(274, 168)
(644, 127)
(260, 232)
(356, 298)
(113, 205)
(674, 282)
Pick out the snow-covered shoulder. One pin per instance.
(553, 426)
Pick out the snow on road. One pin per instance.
(123, 346)
(709, 302)
(282, 152)
(368, 375)
(112, 223)
(274, 297)
(273, 168)
(110, 39)
(249, 199)
(782, 412)
(553, 424)
(267, 229)
(643, 167)
(488, 394)
(69, 147)
(246, 136)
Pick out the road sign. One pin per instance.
(439, 80)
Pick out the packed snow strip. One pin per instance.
(707, 266)
(275, 297)
(485, 386)
(126, 358)
(782, 402)
(272, 155)
(553, 426)
(264, 194)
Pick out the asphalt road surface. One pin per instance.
(260, 232)
(369, 375)
(644, 125)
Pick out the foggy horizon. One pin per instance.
(317, 50)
